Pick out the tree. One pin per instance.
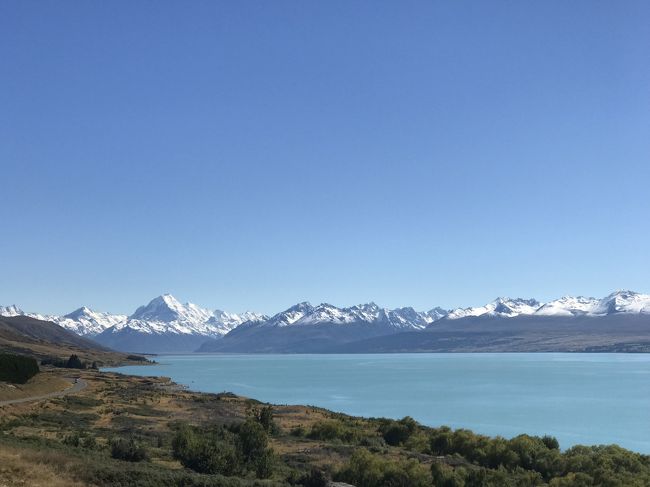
(74, 362)
(398, 432)
(551, 442)
(17, 368)
(252, 439)
(265, 418)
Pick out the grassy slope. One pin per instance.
(41, 384)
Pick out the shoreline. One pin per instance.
(151, 408)
(353, 404)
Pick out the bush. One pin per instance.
(127, 449)
(445, 476)
(72, 439)
(251, 439)
(327, 430)
(315, 478)
(225, 452)
(334, 430)
(367, 470)
(398, 432)
(17, 368)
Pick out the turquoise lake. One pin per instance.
(578, 398)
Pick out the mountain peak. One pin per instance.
(79, 312)
(624, 301)
(11, 310)
(163, 308)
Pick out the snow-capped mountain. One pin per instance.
(618, 302)
(436, 314)
(166, 325)
(624, 302)
(568, 306)
(628, 302)
(505, 307)
(11, 310)
(175, 326)
(225, 322)
(82, 321)
(165, 314)
(86, 322)
(305, 314)
(14, 310)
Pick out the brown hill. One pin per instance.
(44, 339)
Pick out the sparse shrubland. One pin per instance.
(141, 432)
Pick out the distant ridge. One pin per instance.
(167, 325)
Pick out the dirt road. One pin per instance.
(77, 385)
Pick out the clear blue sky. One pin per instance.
(249, 155)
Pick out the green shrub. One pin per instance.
(225, 452)
(367, 470)
(127, 449)
(72, 439)
(265, 418)
(398, 432)
(326, 430)
(251, 439)
(315, 478)
(17, 368)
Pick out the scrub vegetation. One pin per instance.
(136, 431)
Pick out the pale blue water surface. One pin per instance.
(579, 398)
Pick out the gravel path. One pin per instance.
(77, 385)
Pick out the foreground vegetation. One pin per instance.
(134, 431)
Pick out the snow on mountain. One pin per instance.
(166, 315)
(224, 322)
(84, 321)
(305, 314)
(504, 307)
(617, 302)
(167, 308)
(624, 302)
(568, 306)
(436, 314)
(14, 310)
(11, 310)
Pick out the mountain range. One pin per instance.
(166, 325)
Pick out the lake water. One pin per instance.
(579, 398)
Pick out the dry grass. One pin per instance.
(119, 405)
(30, 469)
(42, 383)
